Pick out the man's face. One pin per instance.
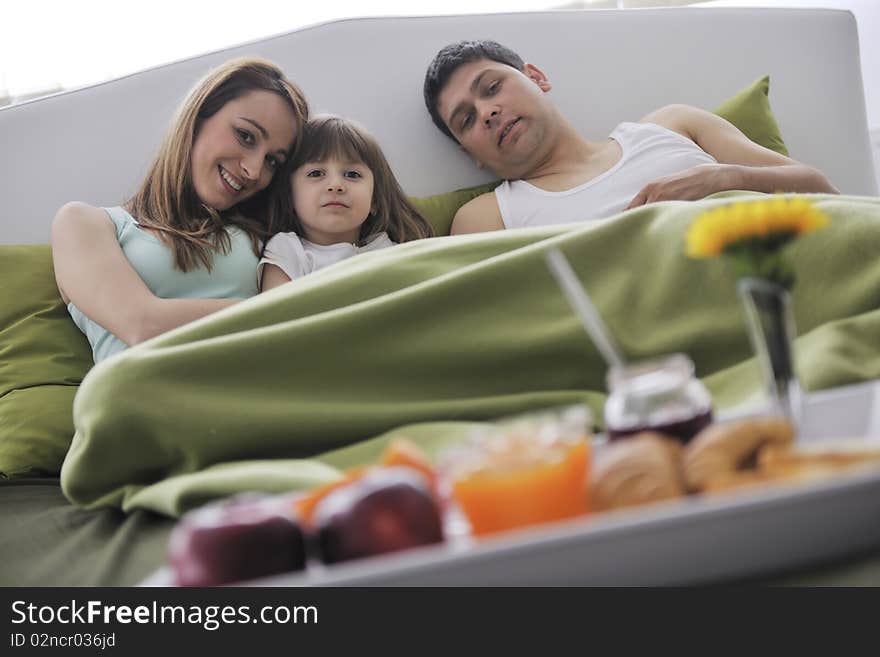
(499, 115)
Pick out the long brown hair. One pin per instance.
(167, 201)
(327, 137)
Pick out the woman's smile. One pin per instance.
(230, 182)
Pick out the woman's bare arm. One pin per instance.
(92, 271)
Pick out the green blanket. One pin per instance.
(283, 390)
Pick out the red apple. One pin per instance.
(387, 509)
(235, 540)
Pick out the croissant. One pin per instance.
(637, 470)
(728, 447)
(787, 463)
(736, 479)
(814, 460)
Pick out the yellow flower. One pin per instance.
(716, 230)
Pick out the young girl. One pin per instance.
(187, 244)
(342, 199)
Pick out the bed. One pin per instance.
(116, 530)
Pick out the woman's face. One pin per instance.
(237, 150)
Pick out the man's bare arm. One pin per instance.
(478, 216)
(742, 164)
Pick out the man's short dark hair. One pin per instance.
(455, 55)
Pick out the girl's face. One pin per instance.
(237, 150)
(332, 199)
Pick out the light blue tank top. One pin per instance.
(233, 276)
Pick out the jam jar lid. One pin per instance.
(652, 378)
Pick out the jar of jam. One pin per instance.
(658, 395)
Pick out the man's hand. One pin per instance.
(688, 185)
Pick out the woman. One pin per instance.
(187, 244)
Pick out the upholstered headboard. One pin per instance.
(93, 144)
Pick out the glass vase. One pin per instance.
(771, 327)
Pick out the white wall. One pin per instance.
(867, 14)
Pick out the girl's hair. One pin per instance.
(328, 137)
(167, 200)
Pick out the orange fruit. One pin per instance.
(406, 453)
(305, 505)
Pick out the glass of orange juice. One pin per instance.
(523, 471)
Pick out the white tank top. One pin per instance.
(650, 151)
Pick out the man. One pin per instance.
(482, 95)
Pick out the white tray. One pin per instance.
(694, 540)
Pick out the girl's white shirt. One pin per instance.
(298, 257)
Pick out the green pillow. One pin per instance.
(749, 110)
(43, 358)
(440, 209)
